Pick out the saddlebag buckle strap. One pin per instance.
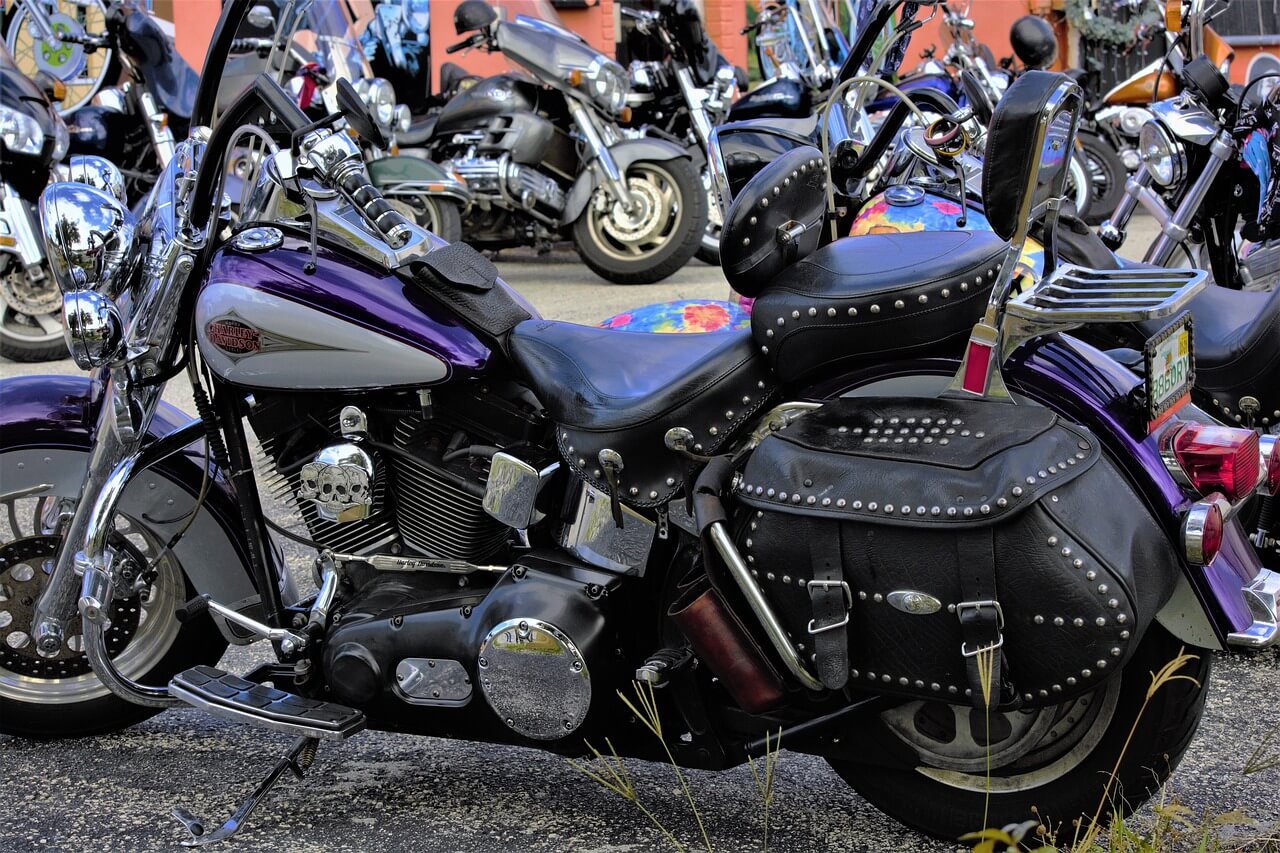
(832, 600)
(999, 626)
(981, 620)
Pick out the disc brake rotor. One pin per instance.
(26, 296)
(645, 218)
(25, 565)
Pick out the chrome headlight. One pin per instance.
(380, 97)
(98, 172)
(606, 83)
(1162, 155)
(92, 328)
(20, 133)
(401, 118)
(88, 236)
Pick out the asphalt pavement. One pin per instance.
(389, 792)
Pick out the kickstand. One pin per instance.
(298, 759)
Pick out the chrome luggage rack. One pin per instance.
(1072, 296)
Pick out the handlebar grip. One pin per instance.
(462, 45)
(365, 196)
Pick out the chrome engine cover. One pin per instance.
(339, 482)
(534, 678)
(503, 181)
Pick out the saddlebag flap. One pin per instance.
(895, 537)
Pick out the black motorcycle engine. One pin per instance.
(533, 651)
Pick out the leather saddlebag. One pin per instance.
(896, 538)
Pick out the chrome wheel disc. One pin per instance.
(649, 225)
(29, 312)
(143, 625)
(1027, 748)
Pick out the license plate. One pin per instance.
(1171, 370)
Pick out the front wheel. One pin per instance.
(440, 216)
(60, 697)
(1107, 176)
(30, 315)
(660, 233)
(1054, 759)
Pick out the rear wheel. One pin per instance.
(30, 315)
(1079, 186)
(658, 236)
(59, 697)
(1056, 759)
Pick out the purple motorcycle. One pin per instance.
(871, 523)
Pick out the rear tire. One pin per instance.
(673, 223)
(1061, 773)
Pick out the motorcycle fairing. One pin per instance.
(48, 425)
(502, 94)
(391, 175)
(168, 76)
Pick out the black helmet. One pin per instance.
(1034, 41)
(473, 15)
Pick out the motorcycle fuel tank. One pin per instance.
(492, 96)
(263, 322)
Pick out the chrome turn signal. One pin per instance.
(1202, 529)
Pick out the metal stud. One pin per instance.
(1113, 604)
(1059, 621)
(946, 293)
(853, 312)
(1002, 502)
(746, 241)
(1116, 652)
(1086, 673)
(826, 501)
(714, 431)
(873, 506)
(899, 304)
(1090, 575)
(964, 286)
(1039, 620)
(634, 491)
(1078, 622)
(1066, 552)
(813, 312)
(764, 202)
(922, 299)
(1053, 540)
(840, 503)
(1102, 589)
(1017, 491)
(831, 312)
(888, 508)
(875, 309)
(671, 481)
(1071, 681)
(653, 495)
(754, 220)
(768, 333)
(764, 350)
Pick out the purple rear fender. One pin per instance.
(47, 427)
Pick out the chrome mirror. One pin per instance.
(95, 171)
(260, 17)
(88, 235)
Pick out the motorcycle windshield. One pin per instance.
(285, 38)
(550, 52)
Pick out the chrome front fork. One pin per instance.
(157, 122)
(18, 232)
(1174, 225)
(613, 175)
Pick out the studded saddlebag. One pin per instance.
(931, 509)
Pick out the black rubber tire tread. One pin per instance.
(198, 641)
(1100, 151)
(1159, 743)
(37, 350)
(677, 253)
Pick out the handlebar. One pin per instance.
(357, 188)
(472, 41)
(888, 130)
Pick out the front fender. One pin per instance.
(624, 153)
(47, 426)
(404, 175)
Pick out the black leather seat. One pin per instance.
(878, 296)
(622, 391)
(1236, 341)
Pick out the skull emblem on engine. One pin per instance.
(339, 481)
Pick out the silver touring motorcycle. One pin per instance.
(886, 544)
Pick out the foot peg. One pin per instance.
(297, 760)
(661, 664)
(226, 695)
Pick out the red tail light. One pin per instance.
(1218, 459)
(1269, 456)
(1202, 529)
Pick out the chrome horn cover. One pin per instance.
(92, 327)
(88, 236)
(94, 171)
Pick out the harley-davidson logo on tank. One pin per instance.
(263, 340)
(238, 339)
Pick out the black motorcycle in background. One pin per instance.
(681, 87)
(547, 159)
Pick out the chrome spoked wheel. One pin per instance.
(143, 626)
(643, 231)
(30, 315)
(81, 71)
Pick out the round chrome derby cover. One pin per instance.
(535, 678)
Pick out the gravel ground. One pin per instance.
(393, 793)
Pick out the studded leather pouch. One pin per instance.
(897, 538)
